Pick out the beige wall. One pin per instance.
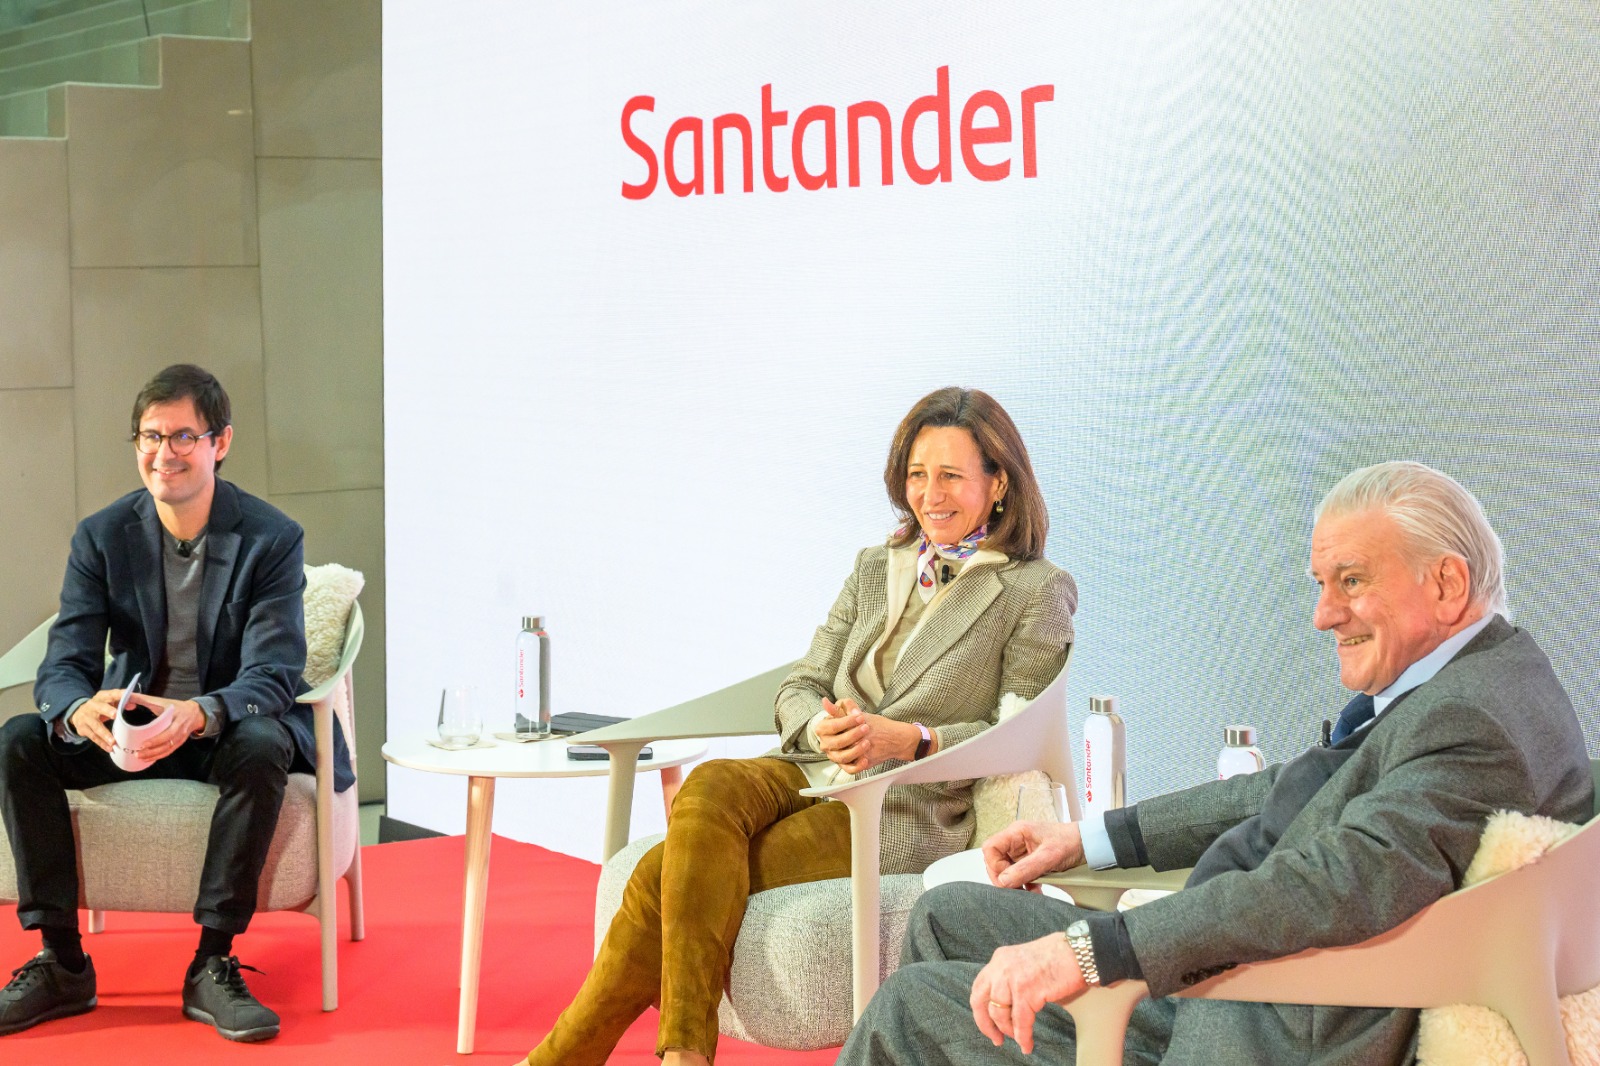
(230, 218)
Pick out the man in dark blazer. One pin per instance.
(194, 587)
(1460, 715)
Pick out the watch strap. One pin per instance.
(924, 743)
(1082, 945)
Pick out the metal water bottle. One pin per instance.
(1105, 758)
(533, 704)
(1239, 752)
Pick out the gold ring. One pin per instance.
(1002, 1006)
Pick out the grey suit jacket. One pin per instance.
(1001, 628)
(1393, 829)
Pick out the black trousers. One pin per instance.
(248, 762)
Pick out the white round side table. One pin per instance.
(482, 767)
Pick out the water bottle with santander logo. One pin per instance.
(1105, 760)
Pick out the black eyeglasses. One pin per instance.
(181, 442)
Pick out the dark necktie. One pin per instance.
(1357, 713)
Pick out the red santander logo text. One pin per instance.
(695, 157)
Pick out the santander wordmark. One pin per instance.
(722, 153)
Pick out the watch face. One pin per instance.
(1078, 928)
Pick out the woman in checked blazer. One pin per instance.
(931, 629)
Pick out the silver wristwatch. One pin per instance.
(1083, 950)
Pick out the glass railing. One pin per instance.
(46, 43)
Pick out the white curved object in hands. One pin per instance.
(130, 738)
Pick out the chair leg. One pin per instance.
(327, 880)
(328, 921)
(327, 908)
(97, 921)
(358, 905)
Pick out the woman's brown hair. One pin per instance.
(1019, 530)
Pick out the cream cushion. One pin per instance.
(994, 799)
(330, 590)
(147, 841)
(790, 982)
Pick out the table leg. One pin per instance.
(480, 816)
(671, 781)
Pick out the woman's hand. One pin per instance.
(857, 741)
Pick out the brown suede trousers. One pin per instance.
(737, 826)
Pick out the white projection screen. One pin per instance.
(1211, 255)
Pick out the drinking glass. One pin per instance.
(460, 719)
(1042, 802)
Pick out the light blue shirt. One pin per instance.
(1097, 850)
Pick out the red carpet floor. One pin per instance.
(397, 987)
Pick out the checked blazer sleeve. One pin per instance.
(1001, 627)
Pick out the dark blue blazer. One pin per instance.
(251, 632)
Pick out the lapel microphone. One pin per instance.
(944, 574)
(185, 548)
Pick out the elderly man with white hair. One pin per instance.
(1458, 714)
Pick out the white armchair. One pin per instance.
(783, 989)
(1515, 943)
(141, 843)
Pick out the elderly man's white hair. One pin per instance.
(1436, 516)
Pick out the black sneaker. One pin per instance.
(44, 989)
(217, 995)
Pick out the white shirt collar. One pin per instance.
(1424, 668)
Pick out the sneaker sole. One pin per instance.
(243, 1036)
(67, 1010)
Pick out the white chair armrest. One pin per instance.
(1099, 890)
(324, 701)
(355, 629)
(742, 709)
(1036, 737)
(1100, 1016)
(1459, 949)
(20, 665)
